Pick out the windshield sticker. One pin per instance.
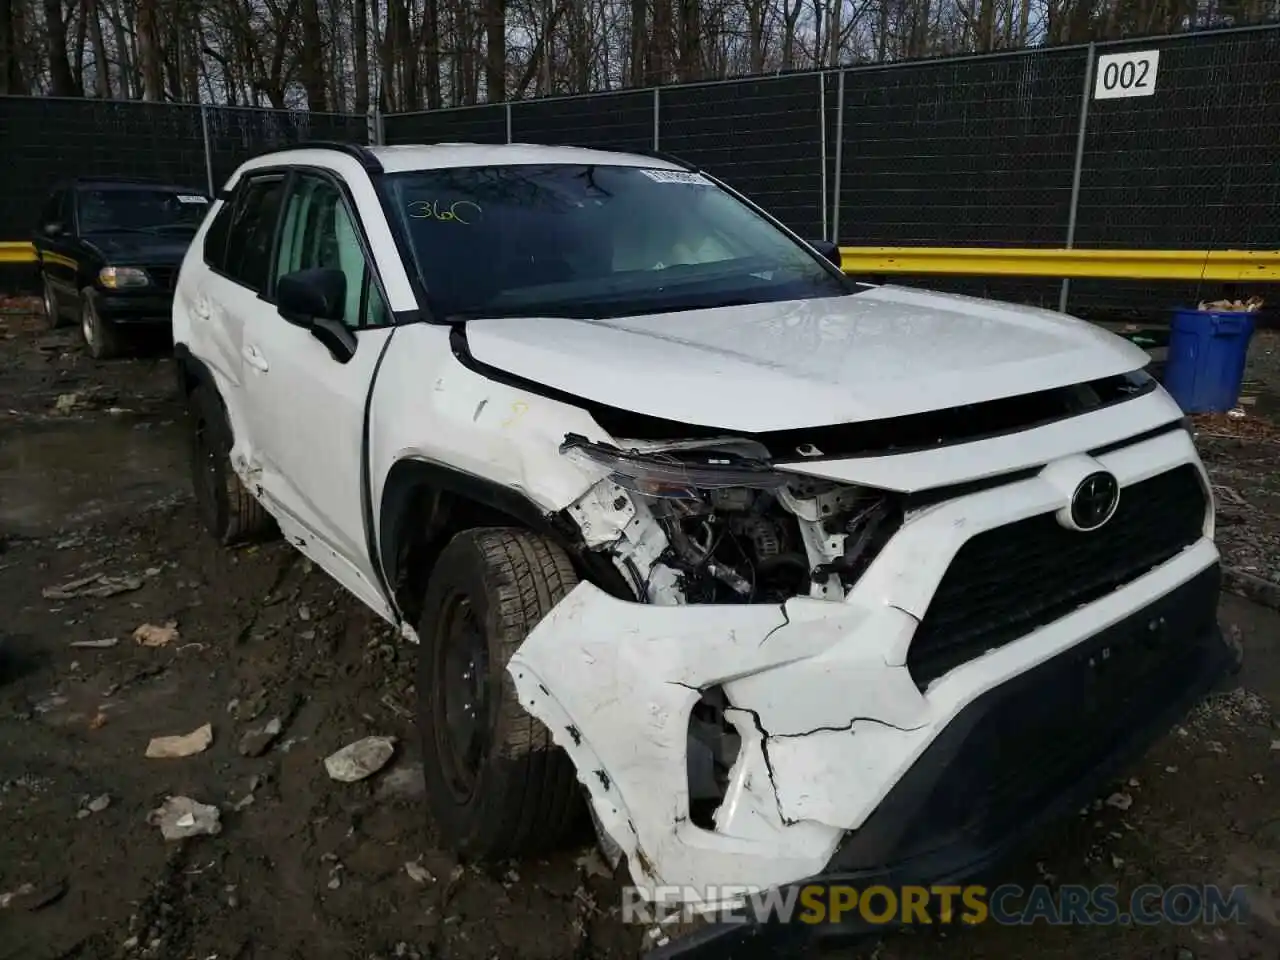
(190, 198)
(460, 211)
(676, 176)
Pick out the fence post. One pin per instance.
(822, 141)
(509, 140)
(835, 203)
(208, 149)
(1090, 58)
(655, 118)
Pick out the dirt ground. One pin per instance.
(93, 480)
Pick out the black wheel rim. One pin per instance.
(204, 472)
(461, 696)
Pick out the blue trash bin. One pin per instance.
(1207, 351)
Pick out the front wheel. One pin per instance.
(497, 785)
(52, 310)
(101, 336)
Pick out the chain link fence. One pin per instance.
(1010, 149)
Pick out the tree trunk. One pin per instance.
(468, 58)
(101, 69)
(311, 56)
(148, 50)
(660, 43)
(431, 49)
(11, 79)
(690, 41)
(61, 81)
(791, 17)
(755, 35)
(360, 41)
(191, 55)
(495, 46)
(77, 70)
(124, 63)
(639, 29)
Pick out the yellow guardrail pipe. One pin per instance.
(17, 253)
(1223, 266)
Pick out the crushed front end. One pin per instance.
(884, 665)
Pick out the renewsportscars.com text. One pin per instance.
(1008, 905)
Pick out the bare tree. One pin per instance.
(415, 54)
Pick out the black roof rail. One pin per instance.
(357, 150)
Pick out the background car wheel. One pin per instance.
(100, 335)
(497, 785)
(227, 510)
(52, 309)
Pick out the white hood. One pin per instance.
(885, 352)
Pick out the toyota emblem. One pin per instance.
(1095, 500)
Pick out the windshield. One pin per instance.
(106, 210)
(594, 241)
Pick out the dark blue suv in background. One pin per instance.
(109, 251)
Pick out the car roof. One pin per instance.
(421, 156)
(442, 155)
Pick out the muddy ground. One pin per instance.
(93, 481)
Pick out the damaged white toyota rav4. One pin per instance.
(788, 576)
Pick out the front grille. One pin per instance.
(1006, 582)
(163, 277)
(1047, 737)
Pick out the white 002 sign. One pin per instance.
(1126, 75)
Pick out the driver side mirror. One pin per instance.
(315, 299)
(831, 251)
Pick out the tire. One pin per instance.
(227, 510)
(52, 309)
(514, 793)
(101, 336)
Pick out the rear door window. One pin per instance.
(252, 230)
(215, 238)
(53, 211)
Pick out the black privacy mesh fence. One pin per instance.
(483, 124)
(619, 121)
(238, 133)
(44, 140)
(1195, 166)
(762, 137)
(970, 151)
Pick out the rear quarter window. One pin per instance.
(215, 238)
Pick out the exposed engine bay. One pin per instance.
(732, 529)
(713, 522)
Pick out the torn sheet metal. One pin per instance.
(817, 690)
(827, 725)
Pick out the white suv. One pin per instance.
(790, 576)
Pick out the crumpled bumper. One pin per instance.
(849, 763)
(1024, 753)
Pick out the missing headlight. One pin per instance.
(739, 531)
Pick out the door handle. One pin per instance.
(254, 358)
